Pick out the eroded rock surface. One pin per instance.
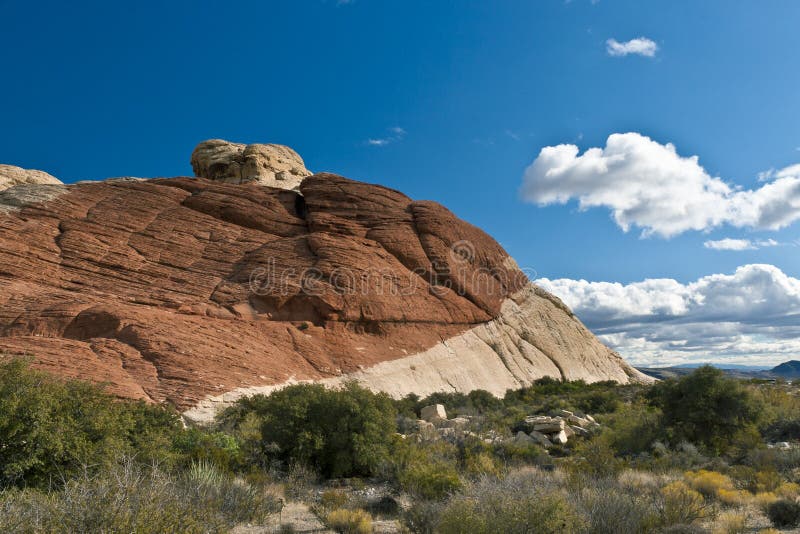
(194, 292)
(11, 176)
(236, 163)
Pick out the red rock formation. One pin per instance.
(181, 289)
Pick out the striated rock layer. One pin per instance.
(193, 292)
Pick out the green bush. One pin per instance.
(431, 480)
(337, 432)
(51, 430)
(707, 408)
(784, 513)
(219, 448)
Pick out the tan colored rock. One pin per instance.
(11, 175)
(550, 428)
(459, 423)
(426, 430)
(433, 413)
(559, 438)
(235, 163)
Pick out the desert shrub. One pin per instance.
(730, 522)
(707, 408)
(708, 483)
(130, 498)
(427, 471)
(219, 448)
(734, 497)
(422, 517)
(346, 521)
(333, 499)
(764, 499)
(596, 402)
(338, 432)
(633, 429)
(595, 458)
(681, 505)
(51, 430)
(608, 508)
(509, 512)
(788, 490)
(784, 513)
(300, 481)
(783, 430)
(639, 481)
(482, 401)
(516, 454)
(432, 480)
(481, 463)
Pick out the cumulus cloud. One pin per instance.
(649, 185)
(395, 134)
(750, 316)
(740, 244)
(641, 46)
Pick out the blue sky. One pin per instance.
(99, 89)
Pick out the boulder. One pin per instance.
(433, 413)
(559, 438)
(426, 430)
(11, 176)
(578, 421)
(235, 163)
(459, 423)
(579, 431)
(551, 426)
(541, 439)
(523, 439)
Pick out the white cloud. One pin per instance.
(750, 316)
(649, 185)
(641, 46)
(740, 244)
(395, 134)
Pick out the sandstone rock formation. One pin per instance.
(11, 176)
(235, 163)
(194, 292)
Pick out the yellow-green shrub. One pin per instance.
(734, 497)
(788, 490)
(346, 521)
(682, 504)
(709, 483)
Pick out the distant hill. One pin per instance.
(790, 369)
(787, 370)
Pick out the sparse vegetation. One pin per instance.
(74, 459)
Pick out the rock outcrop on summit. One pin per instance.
(11, 176)
(235, 163)
(194, 292)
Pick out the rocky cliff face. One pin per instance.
(194, 291)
